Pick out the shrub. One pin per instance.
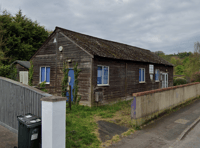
(8, 72)
(179, 81)
(30, 74)
(41, 86)
(196, 77)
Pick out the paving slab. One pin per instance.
(107, 130)
(8, 139)
(164, 131)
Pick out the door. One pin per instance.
(164, 80)
(71, 83)
(23, 77)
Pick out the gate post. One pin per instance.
(53, 122)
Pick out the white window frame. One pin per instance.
(45, 74)
(141, 76)
(103, 75)
(151, 68)
(158, 76)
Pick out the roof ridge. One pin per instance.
(112, 49)
(100, 38)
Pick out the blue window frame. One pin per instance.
(141, 75)
(102, 75)
(157, 73)
(45, 74)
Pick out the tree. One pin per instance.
(22, 37)
(179, 70)
(2, 55)
(197, 48)
(192, 65)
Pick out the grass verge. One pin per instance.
(82, 128)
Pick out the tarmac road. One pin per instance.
(163, 132)
(191, 140)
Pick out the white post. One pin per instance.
(53, 122)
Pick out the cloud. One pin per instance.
(169, 26)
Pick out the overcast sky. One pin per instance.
(170, 26)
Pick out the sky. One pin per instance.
(170, 26)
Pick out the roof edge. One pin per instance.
(17, 61)
(46, 41)
(101, 38)
(77, 45)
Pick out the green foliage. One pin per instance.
(64, 84)
(185, 63)
(42, 86)
(179, 81)
(192, 65)
(179, 70)
(81, 123)
(75, 91)
(30, 74)
(20, 37)
(196, 77)
(8, 71)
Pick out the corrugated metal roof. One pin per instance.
(111, 49)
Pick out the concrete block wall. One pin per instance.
(148, 104)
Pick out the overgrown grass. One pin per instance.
(81, 123)
(82, 128)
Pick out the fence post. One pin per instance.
(53, 122)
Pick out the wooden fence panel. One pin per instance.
(18, 99)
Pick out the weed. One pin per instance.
(81, 123)
(130, 131)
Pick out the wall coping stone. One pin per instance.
(162, 89)
(53, 99)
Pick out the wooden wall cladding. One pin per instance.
(49, 55)
(123, 74)
(76, 55)
(124, 78)
(20, 68)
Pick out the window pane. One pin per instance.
(142, 74)
(139, 75)
(48, 74)
(105, 76)
(99, 75)
(42, 74)
(156, 74)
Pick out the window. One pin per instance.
(45, 74)
(157, 73)
(151, 68)
(54, 41)
(102, 75)
(141, 75)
